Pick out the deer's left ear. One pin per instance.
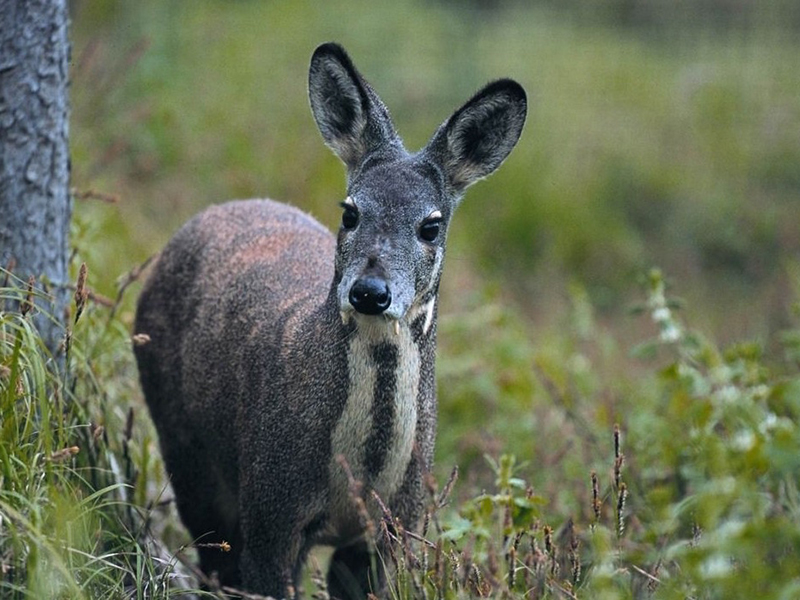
(473, 142)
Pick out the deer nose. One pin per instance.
(370, 296)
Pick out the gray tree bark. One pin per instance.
(35, 202)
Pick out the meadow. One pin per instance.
(620, 324)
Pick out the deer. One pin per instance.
(284, 362)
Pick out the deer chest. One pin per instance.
(374, 436)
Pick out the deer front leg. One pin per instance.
(280, 519)
(354, 572)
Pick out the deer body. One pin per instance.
(281, 357)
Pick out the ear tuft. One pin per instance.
(479, 136)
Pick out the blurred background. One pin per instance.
(660, 133)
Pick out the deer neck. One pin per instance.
(376, 431)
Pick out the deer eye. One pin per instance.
(349, 216)
(429, 230)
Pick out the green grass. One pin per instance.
(710, 446)
(75, 483)
(679, 480)
(669, 146)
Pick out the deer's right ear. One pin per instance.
(352, 119)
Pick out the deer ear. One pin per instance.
(473, 142)
(351, 118)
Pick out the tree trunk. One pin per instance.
(35, 203)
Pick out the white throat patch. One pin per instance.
(356, 424)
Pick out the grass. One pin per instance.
(73, 501)
(674, 147)
(702, 430)
(687, 487)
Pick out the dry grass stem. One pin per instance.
(654, 582)
(64, 453)
(66, 344)
(95, 297)
(651, 579)
(420, 538)
(222, 546)
(10, 266)
(448, 488)
(575, 557)
(512, 569)
(618, 462)
(390, 541)
(548, 540)
(356, 489)
(562, 589)
(128, 431)
(508, 524)
(623, 497)
(132, 276)
(91, 194)
(27, 304)
(387, 515)
(412, 561)
(81, 292)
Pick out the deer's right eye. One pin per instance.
(349, 216)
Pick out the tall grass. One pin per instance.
(681, 481)
(70, 526)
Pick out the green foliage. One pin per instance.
(721, 449)
(694, 493)
(68, 527)
(699, 500)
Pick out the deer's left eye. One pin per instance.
(429, 230)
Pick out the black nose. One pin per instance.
(370, 296)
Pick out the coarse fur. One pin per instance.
(283, 362)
